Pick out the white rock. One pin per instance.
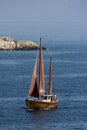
(7, 43)
(26, 45)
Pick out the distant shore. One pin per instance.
(7, 43)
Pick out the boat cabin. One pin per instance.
(49, 98)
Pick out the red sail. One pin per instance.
(50, 78)
(41, 72)
(33, 87)
(35, 92)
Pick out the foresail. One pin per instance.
(50, 78)
(41, 72)
(35, 92)
(33, 87)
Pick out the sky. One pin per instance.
(61, 19)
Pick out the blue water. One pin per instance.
(69, 84)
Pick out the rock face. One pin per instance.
(7, 43)
(27, 45)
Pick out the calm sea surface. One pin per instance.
(69, 84)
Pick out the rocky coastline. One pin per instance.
(7, 43)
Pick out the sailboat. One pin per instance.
(38, 98)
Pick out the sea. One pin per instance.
(69, 61)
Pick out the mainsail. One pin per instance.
(33, 87)
(41, 72)
(50, 78)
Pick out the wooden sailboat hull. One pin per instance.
(40, 104)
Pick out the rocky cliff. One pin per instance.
(7, 43)
(27, 45)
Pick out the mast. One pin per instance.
(41, 71)
(50, 78)
(33, 87)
